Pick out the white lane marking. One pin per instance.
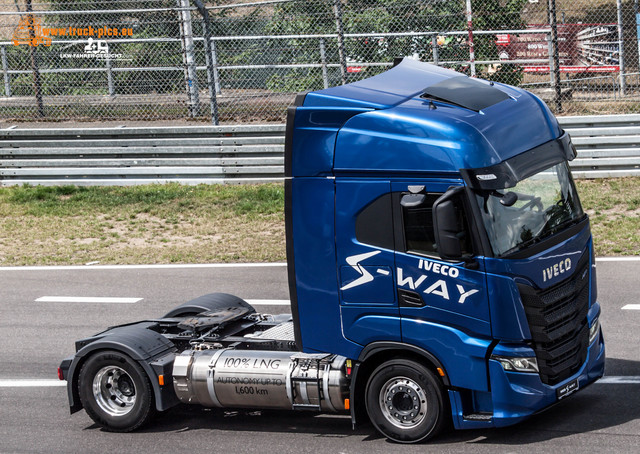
(31, 383)
(107, 300)
(618, 259)
(620, 380)
(87, 299)
(141, 267)
(43, 383)
(269, 302)
(631, 307)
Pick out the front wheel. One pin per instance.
(405, 401)
(115, 392)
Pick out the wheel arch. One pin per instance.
(208, 302)
(375, 354)
(146, 347)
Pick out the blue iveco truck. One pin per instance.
(440, 266)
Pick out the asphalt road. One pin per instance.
(35, 336)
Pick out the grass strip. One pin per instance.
(141, 224)
(69, 225)
(614, 208)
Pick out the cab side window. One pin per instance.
(419, 237)
(374, 225)
(413, 226)
(418, 227)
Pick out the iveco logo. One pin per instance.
(556, 270)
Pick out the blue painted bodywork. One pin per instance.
(353, 144)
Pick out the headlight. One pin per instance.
(514, 364)
(594, 330)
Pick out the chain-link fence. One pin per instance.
(243, 61)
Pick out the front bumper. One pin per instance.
(516, 396)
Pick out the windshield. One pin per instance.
(536, 208)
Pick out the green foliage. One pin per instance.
(143, 24)
(141, 55)
(296, 80)
(497, 15)
(507, 74)
(392, 16)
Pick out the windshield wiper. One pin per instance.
(539, 238)
(560, 226)
(519, 247)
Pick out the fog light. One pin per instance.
(514, 364)
(594, 330)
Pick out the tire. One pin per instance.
(405, 401)
(210, 302)
(115, 392)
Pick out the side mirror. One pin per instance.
(447, 226)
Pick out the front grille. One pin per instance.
(557, 319)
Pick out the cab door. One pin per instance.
(443, 305)
(366, 261)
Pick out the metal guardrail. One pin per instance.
(131, 156)
(608, 146)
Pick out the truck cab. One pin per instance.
(440, 268)
(434, 216)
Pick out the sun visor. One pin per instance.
(508, 173)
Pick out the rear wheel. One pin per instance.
(405, 401)
(115, 391)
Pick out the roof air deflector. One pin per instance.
(465, 92)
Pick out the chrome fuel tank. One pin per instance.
(230, 378)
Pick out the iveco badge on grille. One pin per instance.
(556, 270)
